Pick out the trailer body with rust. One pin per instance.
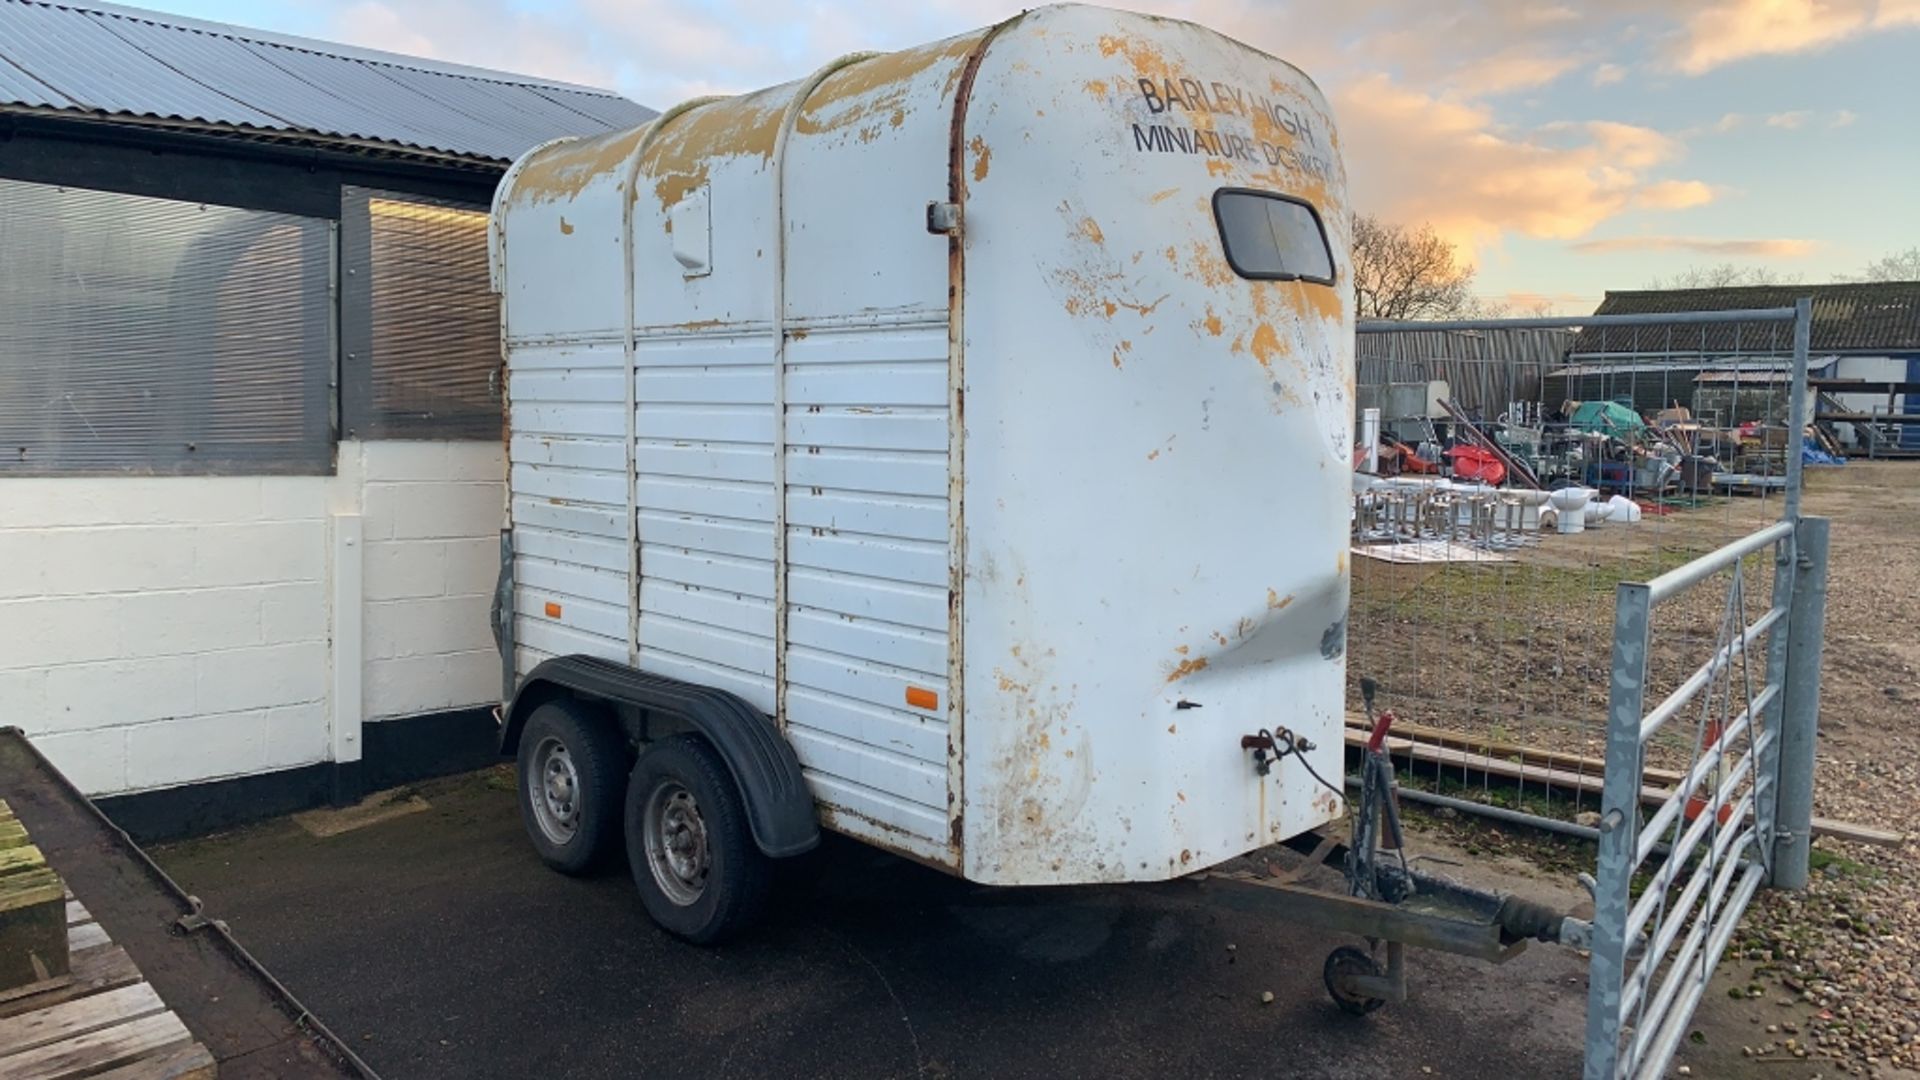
(974, 419)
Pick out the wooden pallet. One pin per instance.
(33, 931)
(105, 1023)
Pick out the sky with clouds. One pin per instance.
(1570, 146)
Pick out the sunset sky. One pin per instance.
(1571, 147)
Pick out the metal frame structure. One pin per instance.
(1742, 816)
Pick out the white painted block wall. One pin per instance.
(431, 518)
(157, 631)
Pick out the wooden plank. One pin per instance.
(1593, 783)
(97, 1051)
(64, 1021)
(35, 988)
(93, 970)
(181, 1063)
(19, 860)
(85, 936)
(33, 931)
(30, 889)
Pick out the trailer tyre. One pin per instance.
(699, 873)
(570, 787)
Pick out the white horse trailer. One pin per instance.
(950, 449)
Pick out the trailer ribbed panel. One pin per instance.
(567, 471)
(867, 570)
(703, 468)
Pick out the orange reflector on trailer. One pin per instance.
(922, 698)
(553, 610)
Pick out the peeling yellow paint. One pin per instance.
(741, 127)
(1266, 345)
(1276, 602)
(879, 85)
(1187, 667)
(1163, 196)
(982, 157)
(561, 172)
(1091, 229)
(1212, 323)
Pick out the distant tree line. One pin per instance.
(1402, 272)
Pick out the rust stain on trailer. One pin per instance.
(1276, 602)
(565, 228)
(1091, 230)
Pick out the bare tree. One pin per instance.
(1722, 276)
(1402, 273)
(1899, 266)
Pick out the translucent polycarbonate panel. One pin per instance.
(419, 323)
(146, 335)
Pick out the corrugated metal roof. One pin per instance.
(1857, 318)
(140, 66)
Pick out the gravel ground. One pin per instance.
(1845, 955)
(1828, 978)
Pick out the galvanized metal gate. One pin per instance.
(1677, 868)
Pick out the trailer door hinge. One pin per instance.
(943, 218)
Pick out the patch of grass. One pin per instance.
(1468, 593)
(1819, 861)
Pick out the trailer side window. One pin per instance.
(1271, 237)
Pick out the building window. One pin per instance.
(420, 326)
(1272, 237)
(152, 336)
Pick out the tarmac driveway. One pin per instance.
(440, 947)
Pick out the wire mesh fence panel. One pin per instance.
(1483, 614)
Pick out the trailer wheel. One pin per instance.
(1344, 961)
(699, 873)
(570, 787)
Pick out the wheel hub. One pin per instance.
(556, 801)
(676, 842)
